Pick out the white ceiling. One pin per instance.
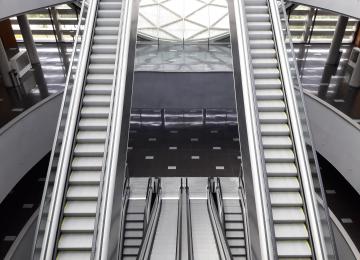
(183, 20)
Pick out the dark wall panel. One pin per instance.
(183, 90)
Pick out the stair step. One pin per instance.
(279, 155)
(82, 192)
(286, 199)
(287, 184)
(78, 224)
(98, 89)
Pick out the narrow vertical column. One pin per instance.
(353, 89)
(4, 66)
(28, 39)
(334, 56)
(33, 55)
(54, 17)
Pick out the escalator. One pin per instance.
(73, 214)
(173, 217)
(287, 202)
(79, 206)
(273, 130)
(138, 197)
(186, 224)
(231, 213)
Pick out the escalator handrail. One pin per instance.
(299, 87)
(189, 224)
(219, 235)
(179, 224)
(58, 126)
(256, 152)
(149, 195)
(245, 219)
(125, 204)
(146, 245)
(218, 191)
(297, 135)
(50, 234)
(110, 166)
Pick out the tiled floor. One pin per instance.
(200, 151)
(14, 101)
(20, 204)
(311, 61)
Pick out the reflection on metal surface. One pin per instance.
(183, 58)
(180, 118)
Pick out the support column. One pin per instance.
(28, 39)
(333, 57)
(4, 66)
(353, 89)
(33, 55)
(54, 17)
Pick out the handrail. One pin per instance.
(218, 192)
(68, 139)
(145, 250)
(123, 215)
(113, 150)
(188, 222)
(147, 211)
(298, 138)
(256, 153)
(223, 248)
(83, 52)
(245, 220)
(179, 223)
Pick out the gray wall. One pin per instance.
(183, 90)
(336, 138)
(26, 140)
(348, 7)
(13, 7)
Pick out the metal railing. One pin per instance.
(189, 224)
(324, 243)
(60, 131)
(220, 203)
(125, 202)
(110, 167)
(60, 183)
(148, 203)
(265, 227)
(219, 233)
(146, 246)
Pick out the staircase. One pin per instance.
(234, 228)
(134, 229)
(77, 226)
(292, 239)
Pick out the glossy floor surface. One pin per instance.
(158, 150)
(49, 76)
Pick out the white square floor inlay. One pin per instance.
(17, 109)
(9, 238)
(28, 206)
(171, 167)
(346, 220)
(330, 192)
